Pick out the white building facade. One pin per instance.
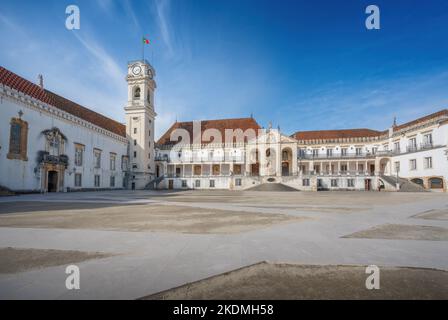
(409, 157)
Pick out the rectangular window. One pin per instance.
(197, 183)
(427, 140)
(79, 154)
(97, 181)
(343, 152)
(315, 153)
(334, 182)
(212, 183)
(412, 144)
(78, 180)
(351, 183)
(135, 154)
(413, 164)
(112, 181)
(374, 150)
(97, 157)
(237, 169)
(124, 163)
(18, 136)
(306, 182)
(135, 130)
(135, 142)
(397, 166)
(112, 161)
(358, 151)
(329, 152)
(14, 139)
(428, 163)
(184, 183)
(343, 168)
(360, 168)
(238, 182)
(397, 147)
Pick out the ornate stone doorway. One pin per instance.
(52, 183)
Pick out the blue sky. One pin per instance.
(303, 65)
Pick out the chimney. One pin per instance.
(40, 79)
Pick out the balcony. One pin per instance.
(341, 156)
(45, 157)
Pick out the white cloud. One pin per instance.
(162, 12)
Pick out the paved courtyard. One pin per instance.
(134, 244)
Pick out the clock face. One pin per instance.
(136, 70)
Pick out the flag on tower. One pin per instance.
(145, 40)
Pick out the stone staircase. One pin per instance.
(405, 184)
(271, 187)
(152, 185)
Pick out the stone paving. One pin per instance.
(149, 241)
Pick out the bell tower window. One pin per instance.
(137, 93)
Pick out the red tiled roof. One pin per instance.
(29, 88)
(335, 134)
(221, 125)
(437, 114)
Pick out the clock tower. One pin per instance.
(140, 116)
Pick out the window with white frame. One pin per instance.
(113, 156)
(397, 147)
(124, 163)
(427, 139)
(97, 158)
(358, 151)
(412, 144)
(343, 152)
(350, 183)
(184, 183)
(79, 154)
(306, 182)
(334, 182)
(78, 180)
(197, 183)
(212, 183)
(329, 152)
(238, 182)
(413, 164)
(315, 152)
(428, 162)
(112, 181)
